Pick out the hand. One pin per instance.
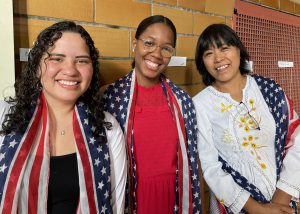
(254, 207)
(274, 208)
(281, 197)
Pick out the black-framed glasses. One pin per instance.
(149, 45)
(248, 118)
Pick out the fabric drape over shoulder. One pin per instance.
(120, 98)
(25, 158)
(252, 145)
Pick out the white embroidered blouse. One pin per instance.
(243, 134)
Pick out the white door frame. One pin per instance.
(7, 65)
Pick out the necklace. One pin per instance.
(63, 132)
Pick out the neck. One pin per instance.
(146, 82)
(60, 116)
(234, 88)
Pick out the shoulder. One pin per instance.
(202, 97)
(177, 90)
(119, 83)
(261, 80)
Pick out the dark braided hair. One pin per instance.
(28, 86)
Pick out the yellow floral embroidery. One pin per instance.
(245, 144)
(227, 137)
(225, 108)
(222, 201)
(249, 142)
(263, 166)
(246, 121)
(247, 128)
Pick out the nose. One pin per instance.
(218, 56)
(157, 52)
(70, 68)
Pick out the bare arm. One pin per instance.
(254, 207)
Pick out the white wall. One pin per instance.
(7, 68)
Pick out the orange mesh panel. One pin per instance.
(271, 36)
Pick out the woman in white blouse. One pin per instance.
(249, 135)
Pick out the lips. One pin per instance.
(222, 67)
(151, 65)
(67, 83)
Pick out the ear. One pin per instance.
(134, 43)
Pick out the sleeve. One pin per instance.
(220, 182)
(4, 108)
(118, 166)
(289, 181)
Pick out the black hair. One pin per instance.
(218, 35)
(153, 20)
(28, 86)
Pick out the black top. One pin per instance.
(63, 189)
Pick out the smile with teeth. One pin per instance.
(65, 82)
(222, 67)
(151, 65)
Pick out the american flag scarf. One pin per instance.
(281, 109)
(25, 158)
(120, 98)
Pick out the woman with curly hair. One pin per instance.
(59, 151)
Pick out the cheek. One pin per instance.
(166, 61)
(207, 63)
(88, 74)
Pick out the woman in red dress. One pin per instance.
(158, 120)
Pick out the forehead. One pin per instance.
(159, 31)
(70, 41)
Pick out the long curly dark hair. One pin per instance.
(28, 87)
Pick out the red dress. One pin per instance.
(155, 142)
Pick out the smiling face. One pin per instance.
(223, 63)
(149, 65)
(66, 73)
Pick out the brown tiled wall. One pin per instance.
(112, 24)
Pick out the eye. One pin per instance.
(207, 53)
(83, 61)
(169, 49)
(224, 48)
(55, 58)
(149, 43)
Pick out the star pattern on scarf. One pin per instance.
(276, 102)
(117, 102)
(99, 153)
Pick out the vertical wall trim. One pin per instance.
(7, 67)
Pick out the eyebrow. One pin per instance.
(152, 38)
(63, 55)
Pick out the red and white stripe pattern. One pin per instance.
(24, 166)
(119, 99)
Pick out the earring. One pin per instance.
(132, 49)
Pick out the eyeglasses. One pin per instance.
(150, 46)
(244, 111)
